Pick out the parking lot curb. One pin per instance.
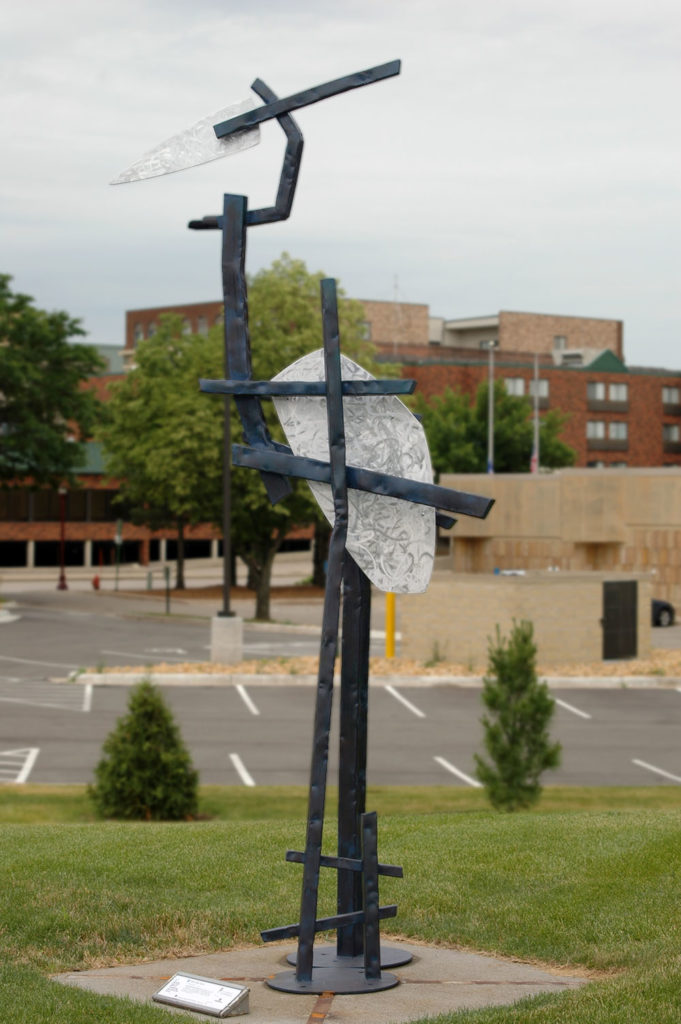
(290, 679)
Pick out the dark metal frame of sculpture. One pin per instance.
(355, 965)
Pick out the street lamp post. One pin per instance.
(490, 345)
(62, 585)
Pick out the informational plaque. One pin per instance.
(204, 995)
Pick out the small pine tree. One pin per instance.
(516, 728)
(146, 772)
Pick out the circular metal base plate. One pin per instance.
(340, 980)
(326, 956)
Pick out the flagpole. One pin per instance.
(534, 463)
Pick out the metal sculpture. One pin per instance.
(357, 963)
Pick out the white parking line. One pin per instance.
(240, 769)
(87, 698)
(407, 703)
(147, 658)
(456, 771)
(658, 771)
(241, 690)
(570, 707)
(42, 695)
(29, 661)
(18, 764)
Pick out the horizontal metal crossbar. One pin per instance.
(305, 98)
(345, 864)
(364, 480)
(325, 924)
(269, 388)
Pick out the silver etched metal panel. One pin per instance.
(193, 146)
(392, 541)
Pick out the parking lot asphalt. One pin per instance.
(257, 736)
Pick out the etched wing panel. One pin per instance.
(393, 541)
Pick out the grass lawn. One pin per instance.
(590, 881)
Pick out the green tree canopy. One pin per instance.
(457, 432)
(44, 409)
(163, 439)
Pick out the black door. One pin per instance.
(619, 621)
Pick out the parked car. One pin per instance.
(662, 613)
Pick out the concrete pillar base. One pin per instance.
(226, 639)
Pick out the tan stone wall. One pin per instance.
(534, 332)
(580, 520)
(396, 323)
(458, 615)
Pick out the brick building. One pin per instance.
(618, 415)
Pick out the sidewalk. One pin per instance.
(38, 587)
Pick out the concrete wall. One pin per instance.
(606, 520)
(458, 615)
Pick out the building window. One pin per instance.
(671, 432)
(596, 465)
(595, 390)
(151, 330)
(619, 465)
(617, 431)
(559, 342)
(595, 430)
(541, 386)
(618, 392)
(515, 386)
(365, 328)
(202, 325)
(138, 333)
(670, 396)
(186, 326)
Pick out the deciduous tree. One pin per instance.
(457, 432)
(45, 412)
(162, 440)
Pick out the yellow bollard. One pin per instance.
(390, 625)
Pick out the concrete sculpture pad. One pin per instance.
(438, 980)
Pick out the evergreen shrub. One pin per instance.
(519, 709)
(146, 771)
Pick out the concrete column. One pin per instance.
(87, 554)
(162, 549)
(214, 548)
(30, 554)
(226, 639)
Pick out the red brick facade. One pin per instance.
(643, 411)
(626, 427)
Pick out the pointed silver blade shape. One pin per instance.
(193, 146)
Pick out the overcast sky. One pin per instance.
(527, 158)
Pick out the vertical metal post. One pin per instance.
(534, 465)
(329, 641)
(389, 625)
(490, 412)
(233, 265)
(62, 585)
(372, 952)
(352, 766)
